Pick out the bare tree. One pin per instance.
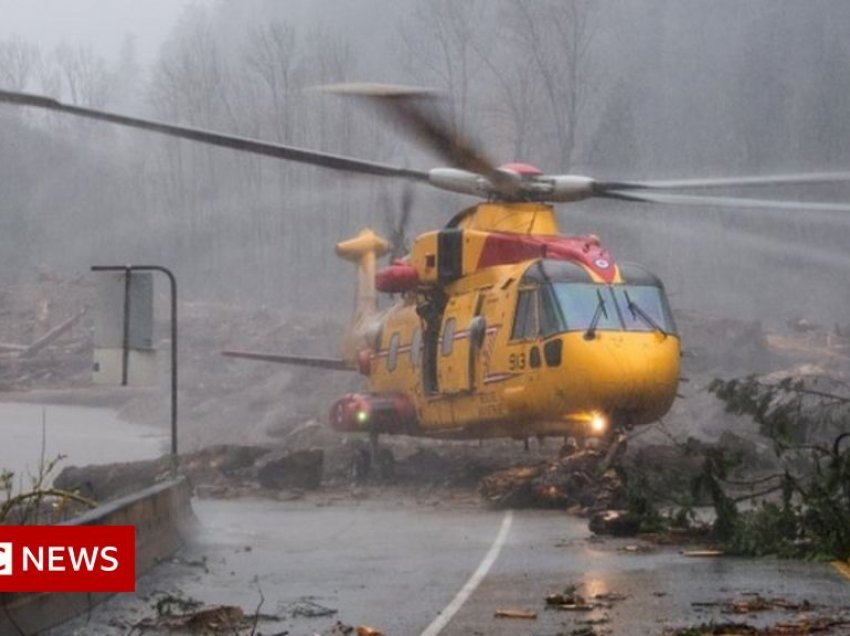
(86, 78)
(18, 63)
(554, 40)
(438, 43)
(270, 54)
(516, 96)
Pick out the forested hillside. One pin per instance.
(610, 88)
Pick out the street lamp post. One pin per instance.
(128, 269)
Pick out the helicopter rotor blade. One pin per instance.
(406, 207)
(244, 144)
(396, 221)
(401, 247)
(726, 202)
(415, 110)
(730, 182)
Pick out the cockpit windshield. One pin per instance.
(579, 303)
(628, 307)
(575, 306)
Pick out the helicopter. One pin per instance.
(502, 326)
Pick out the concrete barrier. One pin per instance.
(162, 515)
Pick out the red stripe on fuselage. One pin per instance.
(503, 249)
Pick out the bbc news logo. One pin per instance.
(67, 559)
(5, 559)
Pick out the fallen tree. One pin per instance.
(803, 509)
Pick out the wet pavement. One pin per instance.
(84, 435)
(396, 565)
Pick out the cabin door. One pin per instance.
(455, 373)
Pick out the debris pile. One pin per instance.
(569, 600)
(45, 333)
(755, 602)
(223, 471)
(576, 482)
(798, 627)
(342, 629)
(177, 614)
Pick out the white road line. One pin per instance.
(474, 581)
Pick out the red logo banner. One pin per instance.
(67, 559)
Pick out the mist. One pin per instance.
(612, 89)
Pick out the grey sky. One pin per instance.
(101, 24)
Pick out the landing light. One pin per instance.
(362, 416)
(598, 423)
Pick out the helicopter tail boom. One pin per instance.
(333, 364)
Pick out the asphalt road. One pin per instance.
(83, 435)
(413, 569)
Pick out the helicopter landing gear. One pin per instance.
(614, 446)
(382, 458)
(611, 447)
(360, 465)
(373, 462)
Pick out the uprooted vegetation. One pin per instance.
(803, 509)
(793, 504)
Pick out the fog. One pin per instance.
(613, 89)
(102, 26)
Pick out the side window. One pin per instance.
(448, 337)
(525, 320)
(551, 319)
(416, 348)
(392, 356)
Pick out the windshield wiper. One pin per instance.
(637, 312)
(590, 334)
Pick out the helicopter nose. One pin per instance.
(641, 375)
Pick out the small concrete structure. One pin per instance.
(162, 515)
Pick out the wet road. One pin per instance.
(84, 435)
(397, 566)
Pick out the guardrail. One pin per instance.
(162, 515)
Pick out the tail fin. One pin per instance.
(364, 250)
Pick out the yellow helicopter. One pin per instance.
(503, 326)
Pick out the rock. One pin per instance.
(617, 523)
(109, 481)
(284, 469)
(234, 459)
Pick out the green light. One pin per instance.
(362, 416)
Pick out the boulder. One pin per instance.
(284, 469)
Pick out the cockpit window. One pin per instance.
(578, 306)
(643, 308)
(581, 302)
(525, 320)
(551, 317)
